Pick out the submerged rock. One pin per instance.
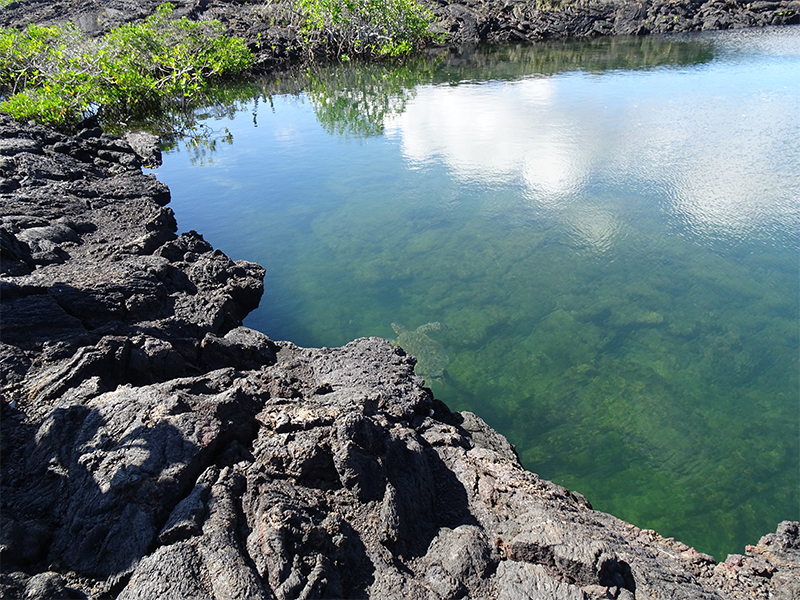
(153, 447)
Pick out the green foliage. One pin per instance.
(366, 27)
(57, 76)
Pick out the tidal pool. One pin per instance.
(608, 232)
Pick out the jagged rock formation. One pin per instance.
(153, 447)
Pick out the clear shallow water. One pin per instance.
(611, 231)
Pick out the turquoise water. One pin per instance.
(610, 231)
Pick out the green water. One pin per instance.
(610, 230)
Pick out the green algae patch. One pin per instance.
(623, 313)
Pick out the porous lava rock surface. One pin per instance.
(153, 447)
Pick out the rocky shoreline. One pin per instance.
(153, 447)
(272, 28)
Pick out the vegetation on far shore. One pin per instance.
(366, 27)
(58, 76)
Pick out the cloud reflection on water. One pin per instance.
(712, 170)
(496, 133)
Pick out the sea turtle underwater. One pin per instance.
(431, 357)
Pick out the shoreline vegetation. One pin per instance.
(58, 76)
(153, 447)
(63, 64)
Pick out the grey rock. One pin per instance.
(187, 518)
(211, 566)
(112, 468)
(443, 584)
(146, 146)
(551, 546)
(153, 359)
(522, 581)
(48, 585)
(12, 147)
(241, 347)
(464, 553)
(484, 436)
(12, 584)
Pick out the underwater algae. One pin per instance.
(625, 312)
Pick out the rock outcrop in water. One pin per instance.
(152, 447)
(272, 28)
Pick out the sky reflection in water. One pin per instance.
(717, 158)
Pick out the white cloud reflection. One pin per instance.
(709, 155)
(495, 133)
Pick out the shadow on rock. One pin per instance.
(98, 481)
(99, 494)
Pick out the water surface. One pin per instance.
(609, 229)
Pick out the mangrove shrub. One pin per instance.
(366, 27)
(58, 76)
